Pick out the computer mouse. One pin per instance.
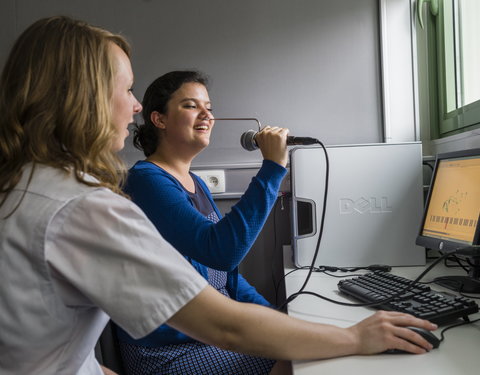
(425, 333)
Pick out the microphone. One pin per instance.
(248, 142)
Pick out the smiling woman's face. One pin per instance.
(187, 119)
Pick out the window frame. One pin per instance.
(464, 118)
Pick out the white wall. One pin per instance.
(314, 66)
(310, 65)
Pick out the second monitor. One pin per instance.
(451, 214)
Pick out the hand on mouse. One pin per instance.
(388, 330)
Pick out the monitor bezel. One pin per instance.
(437, 243)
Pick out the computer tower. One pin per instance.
(374, 204)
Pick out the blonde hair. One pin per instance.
(55, 103)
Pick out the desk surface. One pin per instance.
(458, 354)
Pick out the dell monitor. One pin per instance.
(451, 216)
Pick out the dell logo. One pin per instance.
(363, 205)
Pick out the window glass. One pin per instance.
(469, 36)
(457, 36)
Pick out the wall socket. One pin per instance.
(214, 179)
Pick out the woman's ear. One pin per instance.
(158, 119)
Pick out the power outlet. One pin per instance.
(214, 179)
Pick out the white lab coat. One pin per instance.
(71, 256)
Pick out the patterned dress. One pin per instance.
(194, 357)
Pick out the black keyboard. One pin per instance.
(419, 300)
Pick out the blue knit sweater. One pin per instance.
(220, 245)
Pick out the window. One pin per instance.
(455, 52)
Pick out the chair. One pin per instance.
(107, 350)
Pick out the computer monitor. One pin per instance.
(451, 216)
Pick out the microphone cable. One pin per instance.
(324, 209)
(320, 231)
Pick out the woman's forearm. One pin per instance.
(260, 331)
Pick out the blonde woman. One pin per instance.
(74, 252)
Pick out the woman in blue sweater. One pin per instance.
(178, 122)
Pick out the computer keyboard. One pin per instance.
(419, 300)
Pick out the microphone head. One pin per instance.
(247, 140)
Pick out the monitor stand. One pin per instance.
(463, 284)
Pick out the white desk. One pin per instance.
(458, 354)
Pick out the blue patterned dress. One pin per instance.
(193, 357)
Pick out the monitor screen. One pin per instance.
(452, 208)
(454, 204)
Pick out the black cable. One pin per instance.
(327, 269)
(467, 251)
(409, 286)
(442, 332)
(468, 295)
(457, 260)
(324, 210)
(342, 276)
(322, 222)
(428, 165)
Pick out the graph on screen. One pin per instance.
(454, 205)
